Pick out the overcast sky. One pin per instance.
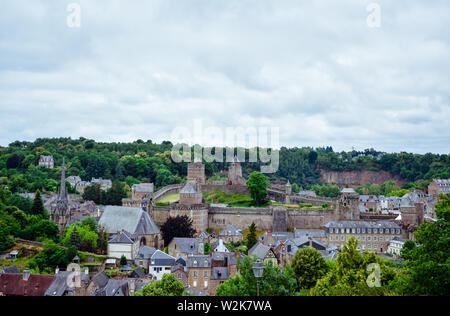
(314, 69)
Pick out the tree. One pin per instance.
(257, 185)
(71, 253)
(13, 162)
(180, 226)
(167, 286)
(349, 275)
(75, 238)
(102, 240)
(38, 205)
(208, 248)
(123, 261)
(428, 266)
(6, 241)
(251, 237)
(275, 281)
(309, 267)
(93, 193)
(42, 229)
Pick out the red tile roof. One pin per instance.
(14, 284)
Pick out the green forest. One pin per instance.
(145, 161)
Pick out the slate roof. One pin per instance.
(11, 269)
(60, 285)
(131, 219)
(123, 237)
(259, 250)
(361, 224)
(137, 273)
(189, 188)
(198, 262)
(101, 279)
(143, 187)
(314, 233)
(113, 288)
(230, 230)
(219, 273)
(160, 258)
(192, 246)
(145, 252)
(348, 190)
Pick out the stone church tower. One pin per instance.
(61, 215)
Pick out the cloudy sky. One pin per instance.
(314, 69)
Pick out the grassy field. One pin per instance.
(170, 198)
(220, 197)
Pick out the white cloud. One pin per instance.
(313, 69)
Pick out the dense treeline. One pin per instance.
(148, 162)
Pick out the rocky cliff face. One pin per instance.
(354, 179)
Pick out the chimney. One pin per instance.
(26, 275)
(310, 242)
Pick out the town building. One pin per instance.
(395, 246)
(143, 257)
(263, 253)
(24, 284)
(231, 234)
(199, 272)
(371, 236)
(46, 161)
(123, 244)
(141, 190)
(439, 186)
(133, 220)
(160, 264)
(186, 247)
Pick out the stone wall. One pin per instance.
(311, 219)
(228, 189)
(239, 217)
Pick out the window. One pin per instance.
(348, 230)
(369, 230)
(353, 231)
(358, 230)
(179, 276)
(375, 231)
(342, 238)
(195, 263)
(206, 263)
(375, 238)
(194, 283)
(205, 275)
(363, 238)
(368, 238)
(206, 284)
(195, 274)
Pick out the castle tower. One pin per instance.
(235, 173)
(196, 172)
(61, 215)
(348, 206)
(288, 192)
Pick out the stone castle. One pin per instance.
(273, 218)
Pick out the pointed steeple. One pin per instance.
(62, 188)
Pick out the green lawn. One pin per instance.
(170, 198)
(220, 197)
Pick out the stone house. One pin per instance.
(141, 190)
(47, 161)
(123, 244)
(180, 272)
(143, 257)
(372, 236)
(186, 247)
(263, 253)
(439, 186)
(231, 234)
(199, 272)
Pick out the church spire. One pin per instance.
(62, 188)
